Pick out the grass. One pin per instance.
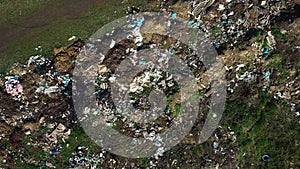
(145, 162)
(12, 10)
(264, 128)
(278, 65)
(77, 138)
(276, 32)
(245, 68)
(177, 110)
(56, 33)
(260, 33)
(298, 66)
(32, 152)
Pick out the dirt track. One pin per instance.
(14, 31)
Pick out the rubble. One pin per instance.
(60, 131)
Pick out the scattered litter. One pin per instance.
(263, 3)
(72, 38)
(266, 158)
(173, 16)
(192, 21)
(55, 151)
(140, 21)
(266, 51)
(13, 86)
(215, 145)
(102, 69)
(60, 131)
(50, 90)
(112, 44)
(267, 75)
(221, 7)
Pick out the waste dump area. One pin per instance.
(258, 42)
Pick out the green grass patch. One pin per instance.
(263, 128)
(265, 43)
(278, 65)
(56, 33)
(260, 33)
(276, 32)
(177, 110)
(145, 163)
(245, 68)
(77, 138)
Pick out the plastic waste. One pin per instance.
(266, 158)
(266, 51)
(55, 151)
(191, 21)
(173, 16)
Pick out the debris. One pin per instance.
(102, 69)
(60, 131)
(266, 158)
(267, 75)
(239, 67)
(263, 3)
(55, 151)
(201, 7)
(221, 7)
(191, 21)
(215, 145)
(266, 51)
(50, 90)
(112, 44)
(13, 86)
(72, 38)
(50, 165)
(173, 16)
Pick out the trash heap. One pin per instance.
(250, 27)
(227, 21)
(147, 80)
(36, 98)
(81, 157)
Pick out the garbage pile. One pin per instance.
(227, 21)
(36, 105)
(250, 26)
(36, 97)
(81, 157)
